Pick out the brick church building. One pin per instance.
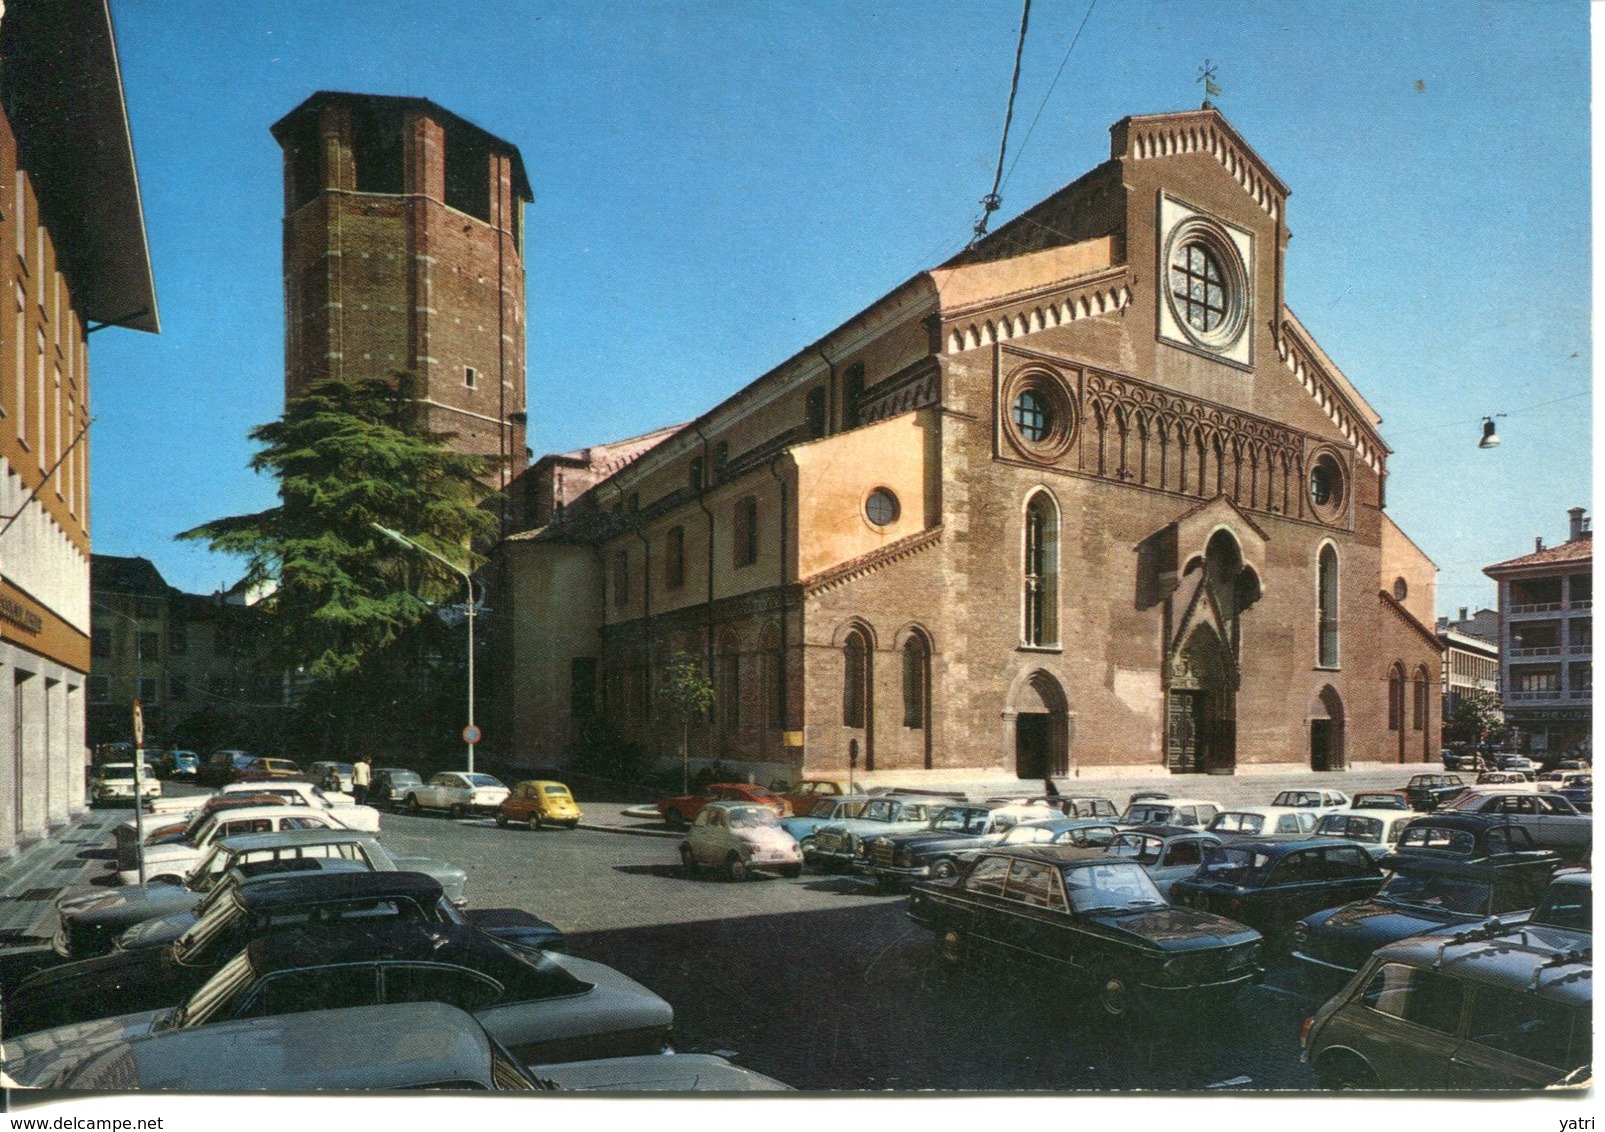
(1088, 497)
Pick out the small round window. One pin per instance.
(882, 508)
(1038, 414)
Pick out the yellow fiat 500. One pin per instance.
(538, 803)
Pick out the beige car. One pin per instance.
(739, 837)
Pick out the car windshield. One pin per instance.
(1378, 802)
(231, 978)
(220, 912)
(1145, 850)
(1432, 890)
(1117, 885)
(1234, 865)
(1438, 838)
(752, 817)
(404, 778)
(1295, 798)
(117, 773)
(1144, 814)
(1353, 828)
(1567, 906)
(481, 780)
(1236, 822)
(558, 791)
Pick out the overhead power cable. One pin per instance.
(992, 201)
(1464, 421)
(1025, 141)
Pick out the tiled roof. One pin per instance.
(111, 573)
(1577, 550)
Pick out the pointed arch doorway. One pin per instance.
(1039, 716)
(1326, 731)
(1201, 707)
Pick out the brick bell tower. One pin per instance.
(403, 250)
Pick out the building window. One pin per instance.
(721, 460)
(882, 508)
(694, 474)
(621, 579)
(1327, 609)
(1395, 698)
(148, 609)
(674, 558)
(470, 377)
(816, 413)
(147, 646)
(177, 687)
(1400, 589)
(1032, 416)
(1326, 488)
(916, 681)
(1418, 705)
(582, 687)
(100, 689)
(746, 524)
(853, 393)
(1207, 287)
(148, 689)
(1041, 597)
(855, 679)
(1038, 414)
(1198, 287)
(730, 689)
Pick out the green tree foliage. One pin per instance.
(688, 694)
(348, 455)
(1477, 714)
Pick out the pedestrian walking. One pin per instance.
(361, 776)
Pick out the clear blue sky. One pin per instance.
(718, 184)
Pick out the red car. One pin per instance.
(682, 811)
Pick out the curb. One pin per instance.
(638, 831)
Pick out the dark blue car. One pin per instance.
(1269, 885)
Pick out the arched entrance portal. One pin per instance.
(1201, 710)
(1040, 715)
(1326, 731)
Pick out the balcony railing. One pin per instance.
(1582, 606)
(1580, 694)
(1549, 650)
(1552, 694)
(1541, 607)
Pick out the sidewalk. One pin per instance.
(31, 881)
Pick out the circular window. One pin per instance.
(1038, 414)
(882, 508)
(1207, 285)
(1326, 487)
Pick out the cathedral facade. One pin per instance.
(1086, 498)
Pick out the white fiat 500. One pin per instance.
(739, 837)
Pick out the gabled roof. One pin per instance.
(1576, 550)
(112, 574)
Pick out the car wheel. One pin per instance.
(689, 860)
(807, 847)
(412, 803)
(952, 947)
(573, 823)
(674, 819)
(1115, 992)
(458, 810)
(501, 820)
(534, 821)
(735, 868)
(1345, 1072)
(885, 883)
(792, 871)
(944, 869)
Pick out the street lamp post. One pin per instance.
(470, 730)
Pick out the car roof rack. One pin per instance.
(1566, 958)
(1493, 929)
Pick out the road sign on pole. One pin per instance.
(470, 735)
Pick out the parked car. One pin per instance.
(1565, 916)
(1493, 1009)
(892, 858)
(681, 811)
(178, 764)
(1560, 779)
(1375, 831)
(1079, 805)
(1427, 792)
(292, 791)
(220, 766)
(1247, 822)
(537, 803)
(1311, 799)
(1580, 794)
(1269, 885)
(1469, 837)
(90, 922)
(543, 1007)
(162, 829)
(363, 1048)
(1380, 800)
(839, 845)
(113, 784)
(1166, 852)
(458, 792)
(1082, 833)
(1162, 810)
(1100, 920)
(390, 785)
(1422, 894)
(172, 861)
(1553, 822)
(258, 770)
(740, 837)
(1460, 759)
(320, 772)
(803, 825)
(235, 913)
(1512, 760)
(1512, 778)
(804, 795)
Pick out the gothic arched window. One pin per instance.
(916, 681)
(1327, 598)
(1041, 596)
(1395, 697)
(855, 679)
